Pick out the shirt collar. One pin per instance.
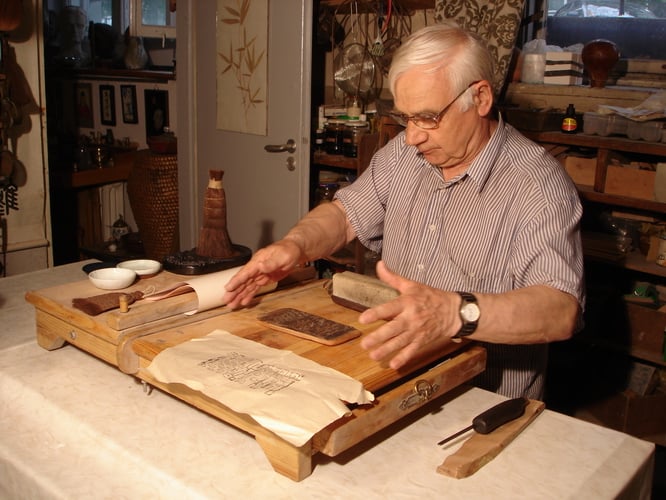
(482, 166)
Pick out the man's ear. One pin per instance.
(484, 98)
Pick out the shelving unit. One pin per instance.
(604, 147)
(351, 257)
(618, 332)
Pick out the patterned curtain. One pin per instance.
(497, 21)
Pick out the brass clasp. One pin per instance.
(423, 391)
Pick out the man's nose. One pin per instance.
(415, 135)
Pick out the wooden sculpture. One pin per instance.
(214, 241)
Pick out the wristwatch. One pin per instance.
(469, 314)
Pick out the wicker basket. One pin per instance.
(152, 187)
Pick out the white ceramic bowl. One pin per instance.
(112, 278)
(142, 267)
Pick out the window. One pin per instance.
(638, 27)
(112, 12)
(146, 18)
(153, 18)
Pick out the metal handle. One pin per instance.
(290, 147)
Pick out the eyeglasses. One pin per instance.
(427, 121)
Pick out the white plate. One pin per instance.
(142, 267)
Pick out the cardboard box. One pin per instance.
(630, 182)
(581, 170)
(646, 329)
(563, 68)
(628, 412)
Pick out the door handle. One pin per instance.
(290, 147)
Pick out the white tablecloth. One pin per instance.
(72, 426)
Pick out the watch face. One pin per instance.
(470, 312)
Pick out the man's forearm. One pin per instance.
(323, 231)
(532, 315)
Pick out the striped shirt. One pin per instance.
(510, 221)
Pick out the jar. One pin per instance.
(333, 136)
(661, 251)
(351, 139)
(319, 140)
(119, 228)
(325, 192)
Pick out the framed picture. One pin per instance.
(84, 109)
(107, 104)
(157, 111)
(128, 100)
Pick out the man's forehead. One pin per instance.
(420, 92)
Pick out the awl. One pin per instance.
(492, 418)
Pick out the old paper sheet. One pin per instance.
(652, 108)
(209, 289)
(285, 393)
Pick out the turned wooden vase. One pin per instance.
(599, 58)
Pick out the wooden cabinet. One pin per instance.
(621, 337)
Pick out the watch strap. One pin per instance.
(468, 327)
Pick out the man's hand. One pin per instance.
(420, 319)
(269, 264)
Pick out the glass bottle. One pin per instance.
(569, 123)
(334, 133)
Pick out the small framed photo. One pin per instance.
(84, 109)
(157, 111)
(128, 100)
(107, 105)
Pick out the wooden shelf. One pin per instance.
(633, 261)
(603, 146)
(589, 194)
(366, 149)
(114, 74)
(98, 176)
(599, 142)
(337, 161)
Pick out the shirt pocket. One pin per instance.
(475, 272)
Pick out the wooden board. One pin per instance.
(397, 392)
(58, 299)
(480, 449)
(349, 358)
(109, 335)
(309, 326)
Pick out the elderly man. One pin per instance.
(477, 226)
